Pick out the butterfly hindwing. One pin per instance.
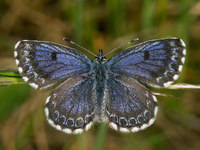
(156, 62)
(130, 106)
(43, 64)
(70, 107)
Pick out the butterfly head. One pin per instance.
(100, 57)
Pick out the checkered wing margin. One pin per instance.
(43, 64)
(70, 107)
(130, 106)
(156, 62)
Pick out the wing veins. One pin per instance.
(31, 56)
(133, 97)
(139, 63)
(57, 64)
(42, 75)
(79, 97)
(118, 91)
(135, 48)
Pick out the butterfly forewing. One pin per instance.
(155, 62)
(43, 64)
(70, 107)
(130, 106)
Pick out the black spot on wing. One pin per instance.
(146, 55)
(53, 56)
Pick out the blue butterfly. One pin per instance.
(98, 90)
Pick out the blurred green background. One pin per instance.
(98, 24)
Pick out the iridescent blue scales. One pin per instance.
(98, 90)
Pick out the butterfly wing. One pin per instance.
(70, 107)
(130, 106)
(156, 62)
(43, 64)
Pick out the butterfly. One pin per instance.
(112, 91)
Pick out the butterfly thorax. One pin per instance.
(100, 72)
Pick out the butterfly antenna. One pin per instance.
(136, 39)
(79, 46)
